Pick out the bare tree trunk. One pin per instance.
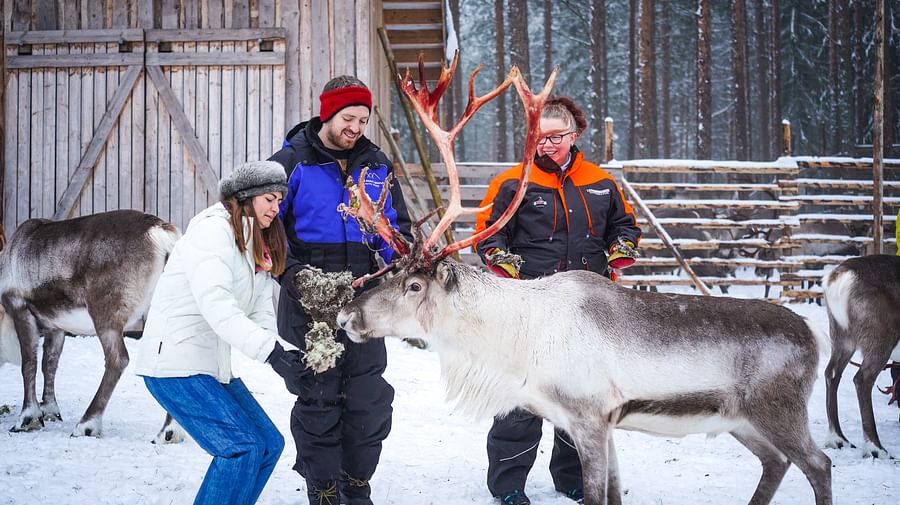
(518, 56)
(774, 72)
(878, 127)
(599, 76)
(890, 67)
(632, 76)
(548, 38)
(762, 66)
(666, 43)
(835, 126)
(455, 95)
(859, 55)
(646, 131)
(704, 86)
(741, 86)
(500, 128)
(2, 125)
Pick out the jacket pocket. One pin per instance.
(594, 255)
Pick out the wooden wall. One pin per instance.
(145, 104)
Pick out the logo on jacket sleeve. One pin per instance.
(598, 192)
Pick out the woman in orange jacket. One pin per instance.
(573, 217)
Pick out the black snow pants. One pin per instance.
(341, 416)
(512, 447)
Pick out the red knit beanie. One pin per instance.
(331, 102)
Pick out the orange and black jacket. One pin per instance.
(567, 221)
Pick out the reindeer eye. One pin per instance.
(415, 287)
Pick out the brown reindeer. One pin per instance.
(580, 350)
(90, 275)
(863, 296)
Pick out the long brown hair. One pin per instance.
(272, 237)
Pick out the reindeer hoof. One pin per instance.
(875, 452)
(90, 428)
(51, 414)
(27, 424)
(171, 435)
(836, 441)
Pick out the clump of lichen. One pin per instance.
(322, 350)
(322, 295)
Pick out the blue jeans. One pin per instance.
(228, 423)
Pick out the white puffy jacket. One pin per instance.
(208, 299)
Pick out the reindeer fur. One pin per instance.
(91, 275)
(586, 354)
(863, 296)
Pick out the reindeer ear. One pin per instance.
(445, 276)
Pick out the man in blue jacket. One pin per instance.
(342, 415)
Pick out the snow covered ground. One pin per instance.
(433, 456)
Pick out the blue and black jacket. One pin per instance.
(317, 233)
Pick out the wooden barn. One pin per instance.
(144, 104)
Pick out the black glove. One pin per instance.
(287, 281)
(288, 364)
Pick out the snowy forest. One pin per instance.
(682, 78)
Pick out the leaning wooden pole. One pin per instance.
(608, 140)
(414, 130)
(878, 132)
(664, 236)
(400, 162)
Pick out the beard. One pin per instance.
(335, 137)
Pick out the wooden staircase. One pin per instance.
(414, 27)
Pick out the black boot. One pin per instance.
(322, 492)
(355, 491)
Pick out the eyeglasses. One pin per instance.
(554, 139)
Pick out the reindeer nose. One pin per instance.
(344, 318)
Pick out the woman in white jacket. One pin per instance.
(214, 294)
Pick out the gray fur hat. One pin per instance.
(253, 178)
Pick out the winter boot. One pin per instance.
(575, 494)
(355, 491)
(515, 497)
(322, 492)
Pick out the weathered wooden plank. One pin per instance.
(234, 58)
(841, 218)
(307, 98)
(201, 127)
(228, 115)
(175, 79)
(49, 125)
(189, 102)
(20, 17)
(216, 110)
(70, 61)
(320, 62)
(267, 12)
(215, 17)
(152, 136)
(85, 200)
(290, 19)
(101, 97)
(239, 133)
(47, 15)
(191, 14)
(183, 126)
(63, 104)
(92, 153)
(11, 131)
(216, 34)
(114, 167)
(23, 147)
(672, 186)
(272, 134)
(343, 34)
(844, 184)
(169, 14)
(240, 14)
(134, 158)
(687, 167)
(364, 32)
(37, 139)
(719, 204)
(838, 199)
(254, 102)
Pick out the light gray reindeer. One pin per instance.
(561, 347)
(90, 275)
(863, 296)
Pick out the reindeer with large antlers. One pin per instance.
(560, 348)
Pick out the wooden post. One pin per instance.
(416, 134)
(664, 236)
(398, 158)
(2, 126)
(878, 132)
(786, 149)
(608, 140)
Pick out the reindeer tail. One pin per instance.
(838, 285)
(823, 342)
(164, 236)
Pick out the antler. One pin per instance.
(425, 103)
(369, 216)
